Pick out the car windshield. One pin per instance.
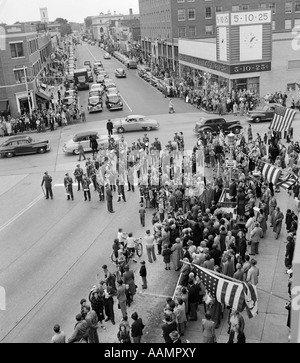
(94, 100)
(114, 99)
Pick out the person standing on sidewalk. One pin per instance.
(47, 180)
(80, 151)
(121, 297)
(253, 273)
(109, 127)
(149, 242)
(92, 320)
(86, 187)
(59, 336)
(109, 304)
(277, 221)
(255, 235)
(128, 278)
(142, 213)
(143, 274)
(136, 328)
(68, 183)
(78, 173)
(109, 198)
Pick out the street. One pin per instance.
(52, 250)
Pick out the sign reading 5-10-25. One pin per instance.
(251, 17)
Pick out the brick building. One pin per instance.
(24, 55)
(163, 22)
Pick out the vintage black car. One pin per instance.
(214, 124)
(21, 145)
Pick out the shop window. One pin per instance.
(17, 50)
(208, 13)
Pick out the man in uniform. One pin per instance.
(68, 182)
(80, 151)
(78, 173)
(109, 127)
(47, 180)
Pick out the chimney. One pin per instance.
(130, 12)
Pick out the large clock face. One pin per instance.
(250, 42)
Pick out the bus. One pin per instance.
(81, 79)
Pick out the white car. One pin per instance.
(71, 146)
(107, 56)
(97, 87)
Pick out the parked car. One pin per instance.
(111, 91)
(96, 92)
(114, 101)
(100, 78)
(95, 104)
(22, 145)
(213, 124)
(264, 113)
(90, 76)
(135, 123)
(107, 56)
(109, 83)
(131, 64)
(120, 73)
(71, 93)
(103, 73)
(69, 101)
(71, 146)
(87, 63)
(96, 65)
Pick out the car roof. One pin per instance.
(136, 116)
(20, 137)
(94, 97)
(113, 95)
(85, 133)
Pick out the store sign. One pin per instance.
(224, 68)
(251, 17)
(230, 163)
(250, 67)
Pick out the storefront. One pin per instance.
(4, 108)
(25, 102)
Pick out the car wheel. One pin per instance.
(75, 152)
(120, 130)
(9, 154)
(257, 119)
(237, 130)
(41, 150)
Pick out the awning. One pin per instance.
(43, 96)
(4, 105)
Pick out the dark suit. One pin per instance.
(109, 198)
(47, 180)
(109, 127)
(68, 182)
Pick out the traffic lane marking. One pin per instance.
(126, 103)
(25, 209)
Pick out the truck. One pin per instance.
(81, 79)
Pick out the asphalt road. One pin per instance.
(51, 251)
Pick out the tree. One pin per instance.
(65, 27)
(88, 22)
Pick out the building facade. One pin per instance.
(101, 25)
(163, 22)
(26, 55)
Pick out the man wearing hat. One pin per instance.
(157, 144)
(175, 337)
(78, 173)
(47, 180)
(81, 331)
(68, 183)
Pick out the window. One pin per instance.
(263, 6)
(288, 24)
(219, 9)
(191, 14)
(297, 6)
(272, 6)
(181, 15)
(297, 23)
(273, 25)
(192, 31)
(244, 7)
(209, 30)
(235, 8)
(288, 7)
(16, 50)
(208, 13)
(19, 76)
(181, 32)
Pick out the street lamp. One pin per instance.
(231, 142)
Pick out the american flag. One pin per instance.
(224, 291)
(269, 172)
(288, 181)
(250, 294)
(283, 118)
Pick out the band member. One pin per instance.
(68, 182)
(78, 173)
(47, 180)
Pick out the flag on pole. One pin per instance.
(250, 294)
(224, 291)
(282, 119)
(289, 181)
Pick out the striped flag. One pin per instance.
(224, 291)
(289, 181)
(283, 118)
(269, 172)
(221, 138)
(251, 301)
